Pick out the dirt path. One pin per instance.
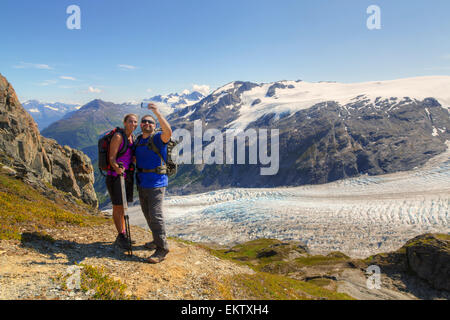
(189, 272)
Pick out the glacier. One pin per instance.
(358, 216)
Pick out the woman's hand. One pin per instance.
(119, 170)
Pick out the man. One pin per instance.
(151, 178)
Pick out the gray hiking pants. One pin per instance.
(152, 206)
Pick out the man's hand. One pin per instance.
(165, 126)
(153, 107)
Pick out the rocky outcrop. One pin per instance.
(36, 159)
(429, 257)
(420, 267)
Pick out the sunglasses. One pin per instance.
(148, 121)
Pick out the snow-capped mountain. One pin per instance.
(45, 113)
(283, 98)
(327, 130)
(167, 104)
(176, 101)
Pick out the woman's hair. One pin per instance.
(130, 115)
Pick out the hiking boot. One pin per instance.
(122, 241)
(150, 245)
(158, 256)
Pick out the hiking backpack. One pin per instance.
(103, 149)
(169, 167)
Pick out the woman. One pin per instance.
(130, 123)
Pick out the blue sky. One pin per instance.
(130, 50)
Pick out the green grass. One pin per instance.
(104, 287)
(427, 239)
(266, 286)
(321, 282)
(319, 260)
(184, 241)
(442, 236)
(96, 282)
(249, 253)
(22, 208)
(249, 250)
(271, 279)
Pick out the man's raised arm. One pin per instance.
(165, 126)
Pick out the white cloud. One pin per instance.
(27, 65)
(42, 66)
(126, 67)
(94, 90)
(446, 56)
(148, 90)
(67, 78)
(47, 83)
(185, 91)
(202, 88)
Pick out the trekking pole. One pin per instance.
(125, 207)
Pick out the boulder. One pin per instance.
(36, 159)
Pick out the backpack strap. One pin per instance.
(161, 169)
(138, 139)
(124, 149)
(155, 149)
(158, 170)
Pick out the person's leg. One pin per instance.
(118, 217)
(151, 203)
(158, 226)
(115, 193)
(143, 200)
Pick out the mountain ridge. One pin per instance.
(320, 141)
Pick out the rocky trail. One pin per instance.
(28, 269)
